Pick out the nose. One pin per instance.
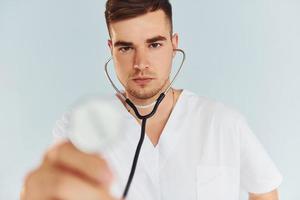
(141, 61)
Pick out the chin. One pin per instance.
(143, 92)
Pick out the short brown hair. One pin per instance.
(117, 10)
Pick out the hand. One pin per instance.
(68, 174)
(273, 195)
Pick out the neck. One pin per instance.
(164, 108)
(144, 104)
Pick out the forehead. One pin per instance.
(141, 27)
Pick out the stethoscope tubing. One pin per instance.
(142, 117)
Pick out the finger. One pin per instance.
(38, 184)
(90, 166)
(26, 192)
(69, 187)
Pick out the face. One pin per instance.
(142, 50)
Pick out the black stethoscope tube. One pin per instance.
(140, 143)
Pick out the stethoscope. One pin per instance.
(141, 117)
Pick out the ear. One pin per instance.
(109, 43)
(174, 42)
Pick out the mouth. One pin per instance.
(142, 80)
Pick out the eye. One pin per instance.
(155, 45)
(124, 49)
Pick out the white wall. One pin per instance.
(244, 53)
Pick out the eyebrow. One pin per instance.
(130, 44)
(156, 38)
(122, 43)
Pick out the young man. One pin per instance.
(195, 148)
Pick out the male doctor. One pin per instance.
(195, 148)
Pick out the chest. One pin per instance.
(154, 129)
(178, 170)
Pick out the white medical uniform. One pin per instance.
(206, 152)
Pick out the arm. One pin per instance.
(273, 195)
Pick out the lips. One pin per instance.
(142, 80)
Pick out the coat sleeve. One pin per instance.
(258, 173)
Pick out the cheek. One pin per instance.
(122, 63)
(164, 64)
(121, 70)
(123, 60)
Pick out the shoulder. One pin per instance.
(211, 108)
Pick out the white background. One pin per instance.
(244, 53)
